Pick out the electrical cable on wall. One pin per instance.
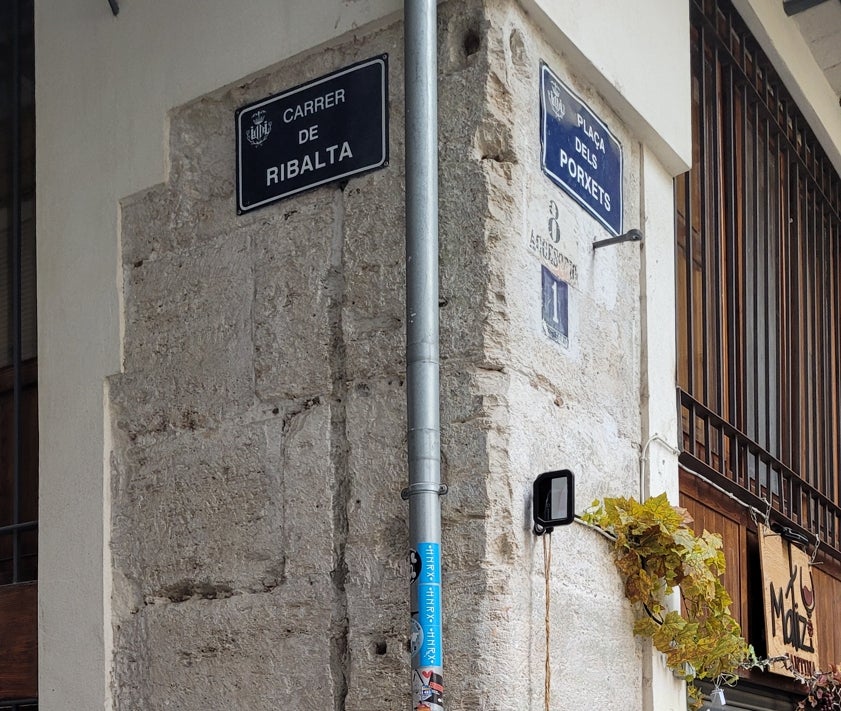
(553, 504)
(547, 565)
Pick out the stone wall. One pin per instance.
(258, 425)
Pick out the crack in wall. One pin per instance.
(186, 590)
(339, 647)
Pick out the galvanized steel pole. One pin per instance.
(422, 378)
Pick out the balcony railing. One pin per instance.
(731, 460)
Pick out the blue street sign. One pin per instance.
(579, 153)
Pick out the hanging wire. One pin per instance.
(815, 552)
(598, 530)
(547, 565)
(644, 458)
(755, 514)
(752, 509)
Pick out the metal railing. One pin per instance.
(731, 460)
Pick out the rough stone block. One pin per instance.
(303, 458)
(216, 512)
(202, 149)
(463, 196)
(147, 404)
(373, 317)
(297, 286)
(259, 652)
(147, 225)
(190, 312)
(377, 581)
(198, 515)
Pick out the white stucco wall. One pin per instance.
(637, 56)
(104, 88)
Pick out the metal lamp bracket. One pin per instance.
(629, 236)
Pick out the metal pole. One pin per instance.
(422, 387)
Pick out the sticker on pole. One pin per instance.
(579, 153)
(428, 689)
(427, 674)
(429, 604)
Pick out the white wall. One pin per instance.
(637, 55)
(104, 86)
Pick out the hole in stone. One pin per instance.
(380, 648)
(472, 42)
(519, 55)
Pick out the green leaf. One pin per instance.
(655, 550)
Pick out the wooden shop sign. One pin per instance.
(789, 601)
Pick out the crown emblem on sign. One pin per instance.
(555, 101)
(259, 131)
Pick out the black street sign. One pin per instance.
(328, 129)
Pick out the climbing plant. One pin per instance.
(655, 551)
(824, 690)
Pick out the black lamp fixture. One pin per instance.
(790, 534)
(795, 7)
(553, 500)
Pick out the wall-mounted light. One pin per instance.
(790, 534)
(553, 500)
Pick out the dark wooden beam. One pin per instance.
(794, 7)
(19, 632)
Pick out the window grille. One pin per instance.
(18, 374)
(18, 365)
(758, 224)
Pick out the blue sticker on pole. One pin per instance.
(429, 604)
(579, 153)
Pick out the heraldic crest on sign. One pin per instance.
(556, 103)
(259, 130)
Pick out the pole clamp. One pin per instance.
(423, 487)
